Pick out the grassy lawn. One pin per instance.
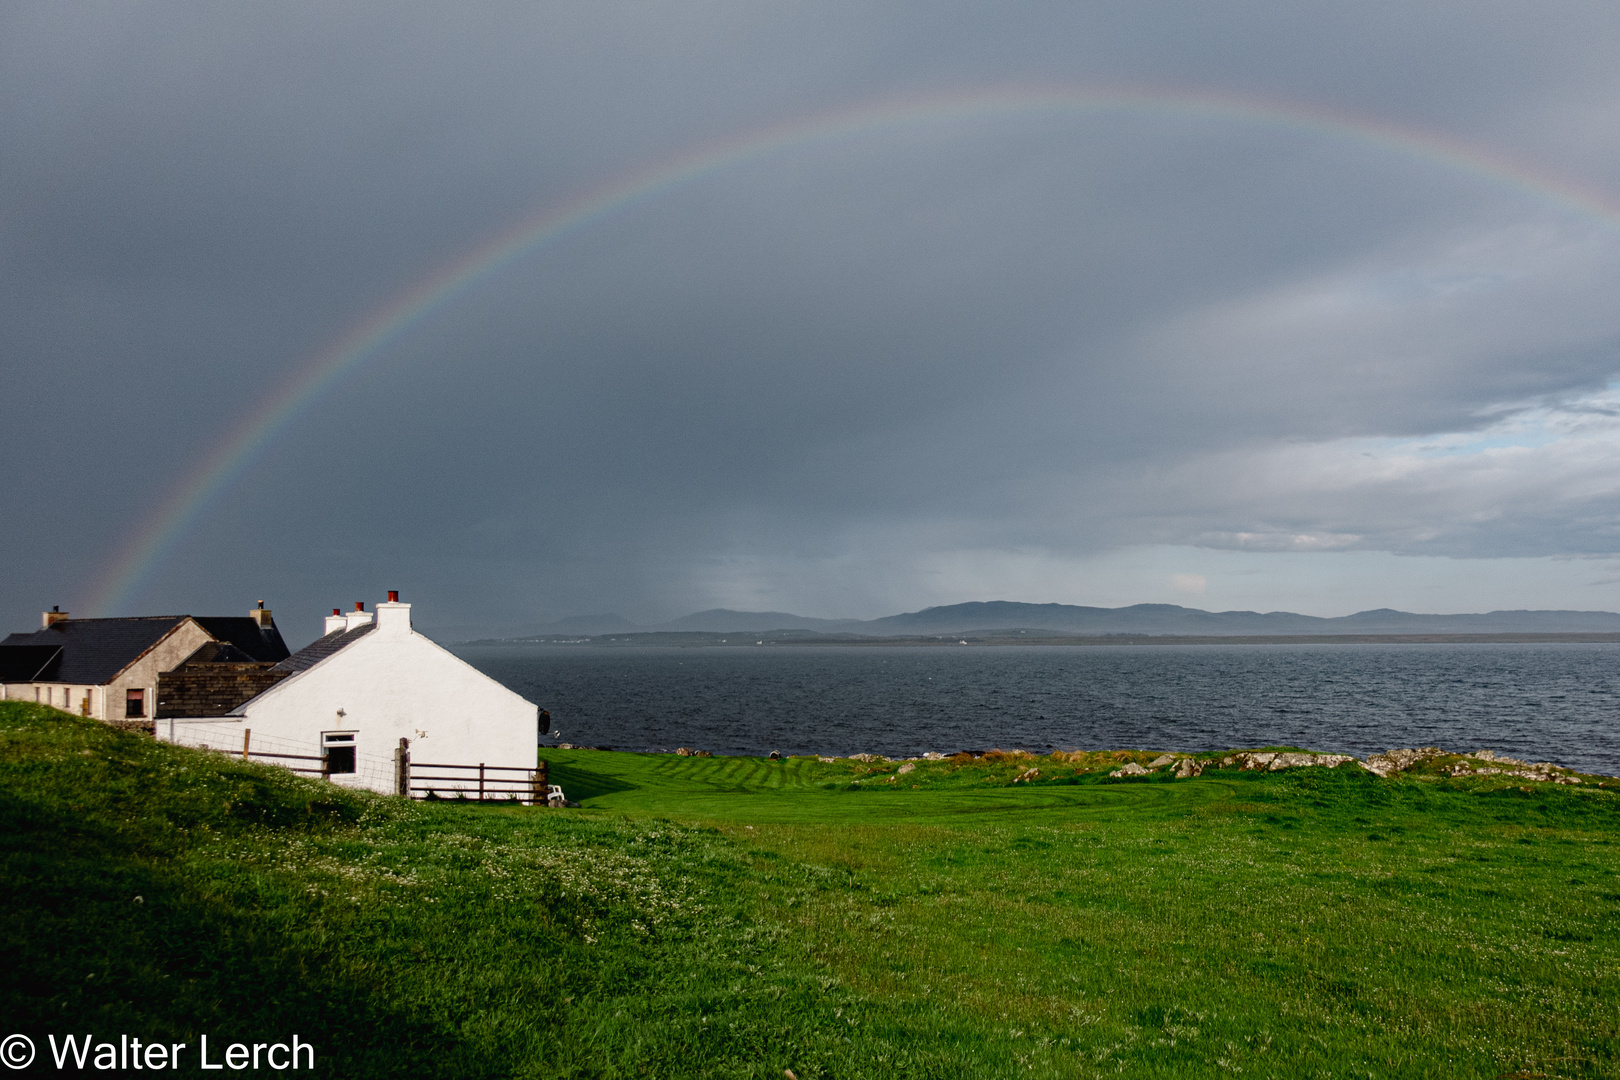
(740, 917)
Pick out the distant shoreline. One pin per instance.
(707, 639)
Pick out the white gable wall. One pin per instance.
(392, 683)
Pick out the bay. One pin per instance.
(1556, 702)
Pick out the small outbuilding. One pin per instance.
(368, 688)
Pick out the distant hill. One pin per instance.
(1149, 619)
(1171, 619)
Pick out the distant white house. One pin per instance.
(350, 697)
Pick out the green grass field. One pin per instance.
(740, 917)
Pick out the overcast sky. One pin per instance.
(1235, 357)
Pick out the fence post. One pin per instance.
(402, 768)
(247, 734)
(537, 785)
(480, 781)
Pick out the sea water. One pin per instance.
(1541, 702)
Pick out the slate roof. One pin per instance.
(23, 663)
(219, 652)
(94, 651)
(316, 651)
(264, 645)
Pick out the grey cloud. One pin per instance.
(835, 362)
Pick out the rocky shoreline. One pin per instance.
(1425, 761)
(1473, 763)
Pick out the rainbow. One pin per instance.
(121, 580)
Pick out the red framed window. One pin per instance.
(134, 703)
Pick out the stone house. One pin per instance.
(111, 669)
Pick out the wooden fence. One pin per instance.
(481, 783)
(494, 782)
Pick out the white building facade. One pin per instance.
(352, 696)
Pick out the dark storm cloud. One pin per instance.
(1057, 332)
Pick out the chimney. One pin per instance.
(54, 616)
(335, 621)
(261, 616)
(393, 617)
(358, 617)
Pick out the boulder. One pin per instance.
(1188, 767)
(1130, 768)
(1026, 776)
(1161, 760)
(907, 767)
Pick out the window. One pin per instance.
(337, 752)
(134, 703)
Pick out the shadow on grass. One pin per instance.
(103, 939)
(580, 784)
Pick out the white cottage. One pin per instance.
(349, 699)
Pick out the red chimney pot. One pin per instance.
(337, 611)
(393, 596)
(359, 605)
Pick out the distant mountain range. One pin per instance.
(1001, 616)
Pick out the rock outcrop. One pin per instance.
(1272, 761)
(1478, 763)
(1184, 766)
(1544, 771)
(1394, 761)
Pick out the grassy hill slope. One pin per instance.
(737, 917)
